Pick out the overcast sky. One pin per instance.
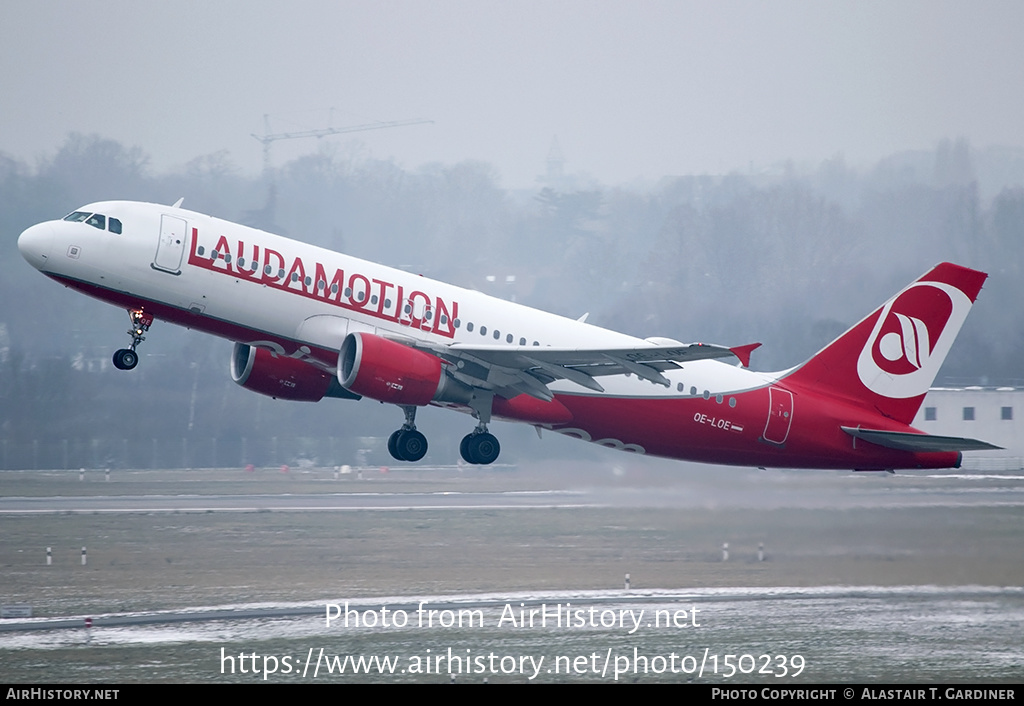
(631, 89)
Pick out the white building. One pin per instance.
(992, 414)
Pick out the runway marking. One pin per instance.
(297, 508)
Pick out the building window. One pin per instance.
(968, 414)
(1006, 413)
(930, 414)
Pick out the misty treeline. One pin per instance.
(789, 257)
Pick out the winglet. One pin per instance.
(743, 353)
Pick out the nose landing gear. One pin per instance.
(127, 358)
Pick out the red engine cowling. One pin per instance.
(390, 372)
(261, 371)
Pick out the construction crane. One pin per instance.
(268, 139)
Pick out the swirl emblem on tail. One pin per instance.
(910, 339)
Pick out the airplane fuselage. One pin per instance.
(301, 302)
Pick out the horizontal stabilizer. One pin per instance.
(909, 441)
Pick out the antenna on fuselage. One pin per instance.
(177, 204)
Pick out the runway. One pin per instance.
(320, 502)
(726, 487)
(865, 577)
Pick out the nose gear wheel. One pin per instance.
(127, 358)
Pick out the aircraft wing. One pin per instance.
(909, 441)
(510, 370)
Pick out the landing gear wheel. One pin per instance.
(480, 448)
(412, 445)
(125, 359)
(407, 445)
(392, 445)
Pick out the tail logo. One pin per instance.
(911, 338)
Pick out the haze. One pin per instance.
(632, 90)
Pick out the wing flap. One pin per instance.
(596, 361)
(910, 441)
(528, 369)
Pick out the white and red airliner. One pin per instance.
(310, 323)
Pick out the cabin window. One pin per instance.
(497, 334)
(508, 338)
(114, 226)
(483, 330)
(469, 326)
(522, 341)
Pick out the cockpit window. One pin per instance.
(96, 220)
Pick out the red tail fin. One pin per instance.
(890, 359)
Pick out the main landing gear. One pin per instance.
(407, 444)
(127, 358)
(480, 447)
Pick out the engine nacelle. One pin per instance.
(390, 372)
(261, 371)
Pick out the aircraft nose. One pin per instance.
(35, 244)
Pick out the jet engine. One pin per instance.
(261, 371)
(391, 372)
